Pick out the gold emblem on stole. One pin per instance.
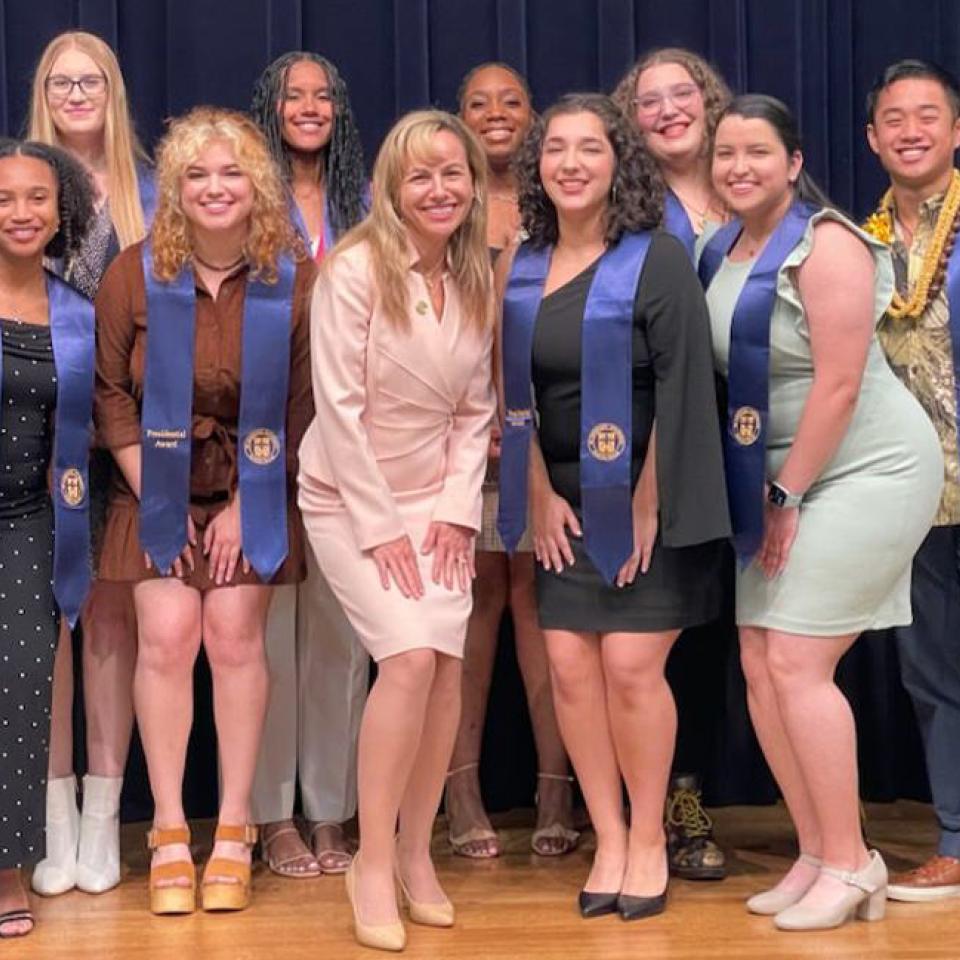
(72, 487)
(261, 446)
(745, 426)
(606, 441)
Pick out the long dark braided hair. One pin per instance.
(344, 176)
(74, 193)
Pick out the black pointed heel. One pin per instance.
(637, 908)
(597, 904)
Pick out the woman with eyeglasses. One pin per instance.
(673, 98)
(79, 103)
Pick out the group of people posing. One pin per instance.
(255, 402)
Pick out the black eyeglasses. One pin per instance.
(61, 87)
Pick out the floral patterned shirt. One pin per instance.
(920, 352)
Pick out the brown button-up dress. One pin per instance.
(121, 364)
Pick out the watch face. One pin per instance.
(777, 495)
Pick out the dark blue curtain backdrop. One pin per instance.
(817, 55)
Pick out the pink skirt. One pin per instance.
(386, 622)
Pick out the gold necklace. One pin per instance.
(433, 277)
(934, 268)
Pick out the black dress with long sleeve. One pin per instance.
(28, 612)
(673, 384)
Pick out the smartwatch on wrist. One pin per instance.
(781, 497)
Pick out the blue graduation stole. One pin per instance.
(748, 376)
(300, 225)
(72, 333)
(677, 223)
(166, 417)
(147, 185)
(606, 398)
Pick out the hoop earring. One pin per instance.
(614, 194)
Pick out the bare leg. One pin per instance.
(57, 871)
(13, 896)
(820, 726)
(554, 797)
(764, 707)
(234, 619)
(580, 699)
(418, 810)
(464, 803)
(60, 763)
(109, 660)
(168, 621)
(390, 736)
(643, 720)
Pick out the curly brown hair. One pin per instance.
(271, 232)
(716, 94)
(636, 194)
(74, 193)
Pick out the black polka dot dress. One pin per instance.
(28, 612)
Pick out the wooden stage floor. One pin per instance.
(516, 907)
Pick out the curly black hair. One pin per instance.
(74, 193)
(344, 174)
(636, 195)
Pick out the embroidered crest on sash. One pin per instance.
(606, 441)
(261, 446)
(72, 488)
(745, 426)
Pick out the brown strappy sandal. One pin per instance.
(232, 894)
(173, 898)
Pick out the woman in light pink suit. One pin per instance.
(390, 476)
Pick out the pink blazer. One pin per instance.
(400, 414)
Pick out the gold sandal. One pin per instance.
(341, 859)
(287, 866)
(462, 842)
(555, 831)
(233, 894)
(172, 899)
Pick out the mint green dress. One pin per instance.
(867, 513)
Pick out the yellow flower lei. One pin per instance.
(880, 225)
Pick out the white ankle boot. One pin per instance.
(57, 872)
(98, 858)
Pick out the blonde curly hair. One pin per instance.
(271, 232)
(715, 93)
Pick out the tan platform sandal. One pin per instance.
(233, 894)
(568, 837)
(463, 843)
(173, 898)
